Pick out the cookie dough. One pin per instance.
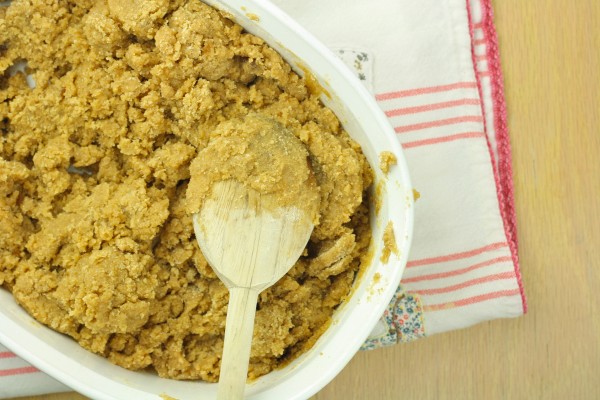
(389, 243)
(96, 239)
(262, 155)
(386, 160)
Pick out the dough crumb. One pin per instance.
(389, 243)
(416, 195)
(386, 160)
(253, 17)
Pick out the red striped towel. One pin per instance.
(434, 68)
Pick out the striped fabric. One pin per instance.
(19, 367)
(18, 378)
(434, 69)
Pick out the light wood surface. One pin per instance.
(551, 60)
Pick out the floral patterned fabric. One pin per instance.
(360, 61)
(401, 322)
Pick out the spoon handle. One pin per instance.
(238, 340)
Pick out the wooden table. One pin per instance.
(551, 59)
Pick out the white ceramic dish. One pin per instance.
(94, 376)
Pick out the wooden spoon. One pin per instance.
(250, 242)
(250, 248)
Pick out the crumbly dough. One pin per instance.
(96, 240)
(386, 160)
(389, 243)
(262, 155)
(416, 195)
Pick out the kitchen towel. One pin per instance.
(434, 68)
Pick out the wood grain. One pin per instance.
(551, 61)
